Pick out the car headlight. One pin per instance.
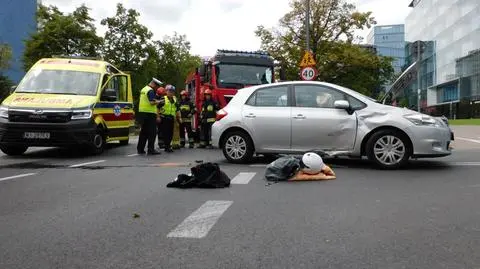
(422, 120)
(4, 112)
(83, 114)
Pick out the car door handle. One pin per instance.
(299, 117)
(128, 107)
(251, 115)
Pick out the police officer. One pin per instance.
(187, 110)
(170, 109)
(147, 115)
(160, 96)
(207, 118)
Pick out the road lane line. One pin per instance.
(84, 164)
(133, 155)
(468, 139)
(17, 176)
(199, 223)
(465, 164)
(243, 178)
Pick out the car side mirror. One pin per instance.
(341, 104)
(12, 89)
(109, 95)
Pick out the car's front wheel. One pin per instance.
(13, 150)
(97, 145)
(389, 149)
(237, 147)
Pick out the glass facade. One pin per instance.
(17, 22)
(389, 40)
(449, 56)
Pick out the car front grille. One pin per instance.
(39, 116)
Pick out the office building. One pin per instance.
(444, 36)
(389, 40)
(17, 22)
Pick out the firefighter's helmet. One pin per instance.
(161, 91)
(170, 88)
(184, 93)
(207, 91)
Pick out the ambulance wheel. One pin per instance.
(98, 142)
(389, 149)
(13, 150)
(124, 142)
(237, 147)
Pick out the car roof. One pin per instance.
(301, 82)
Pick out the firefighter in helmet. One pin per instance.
(160, 96)
(207, 118)
(187, 110)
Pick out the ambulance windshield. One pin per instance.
(49, 81)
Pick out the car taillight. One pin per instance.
(221, 114)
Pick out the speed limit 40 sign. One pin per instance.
(308, 73)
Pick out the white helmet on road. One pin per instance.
(312, 163)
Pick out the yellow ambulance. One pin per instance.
(68, 102)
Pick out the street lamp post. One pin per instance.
(307, 26)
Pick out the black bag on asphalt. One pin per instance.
(282, 169)
(205, 175)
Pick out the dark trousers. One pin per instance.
(186, 127)
(206, 133)
(161, 143)
(167, 131)
(148, 131)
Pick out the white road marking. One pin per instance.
(468, 139)
(133, 155)
(84, 164)
(242, 178)
(17, 176)
(465, 164)
(199, 223)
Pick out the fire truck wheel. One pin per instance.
(237, 147)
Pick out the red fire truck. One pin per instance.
(227, 72)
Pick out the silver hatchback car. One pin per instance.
(300, 116)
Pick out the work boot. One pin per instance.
(153, 152)
(209, 147)
(169, 150)
(191, 146)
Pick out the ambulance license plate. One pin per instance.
(33, 135)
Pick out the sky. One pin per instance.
(234, 21)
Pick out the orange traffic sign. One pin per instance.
(307, 60)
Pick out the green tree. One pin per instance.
(176, 61)
(5, 83)
(126, 40)
(62, 34)
(332, 41)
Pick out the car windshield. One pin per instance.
(230, 75)
(59, 82)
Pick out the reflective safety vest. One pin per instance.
(209, 111)
(144, 103)
(186, 110)
(170, 109)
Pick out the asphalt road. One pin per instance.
(61, 210)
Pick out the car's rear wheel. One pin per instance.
(13, 150)
(389, 149)
(237, 147)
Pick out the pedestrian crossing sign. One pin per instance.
(307, 60)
